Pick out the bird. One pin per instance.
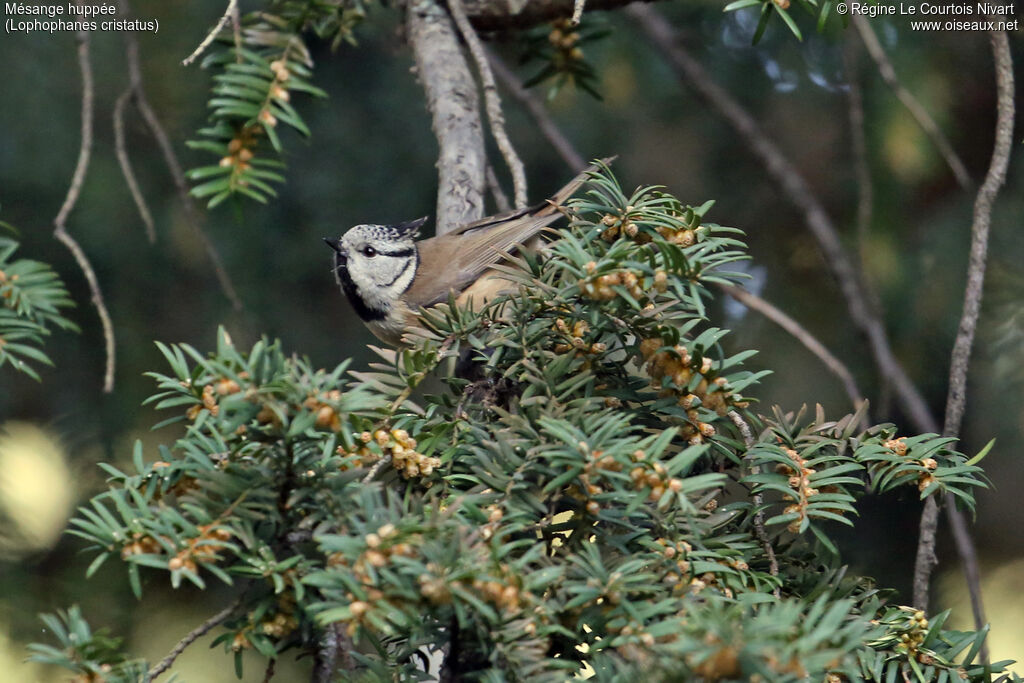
(388, 275)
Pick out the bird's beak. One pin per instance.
(334, 244)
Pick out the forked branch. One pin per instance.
(74, 191)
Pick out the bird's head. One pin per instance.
(375, 264)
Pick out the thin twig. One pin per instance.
(801, 334)
(796, 189)
(759, 530)
(229, 12)
(375, 470)
(548, 128)
(492, 102)
(236, 30)
(923, 118)
(121, 150)
(74, 191)
(192, 215)
(500, 198)
(453, 102)
(191, 637)
(957, 396)
(577, 11)
(268, 674)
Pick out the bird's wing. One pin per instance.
(452, 261)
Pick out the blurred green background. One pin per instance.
(371, 159)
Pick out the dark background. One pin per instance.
(371, 159)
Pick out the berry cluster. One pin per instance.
(327, 416)
(399, 446)
(576, 339)
(674, 372)
(212, 393)
(203, 549)
(564, 38)
(382, 546)
(926, 478)
(652, 475)
(800, 482)
(624, 224)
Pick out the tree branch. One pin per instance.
(191, 637)
(492, 102)
(229, 13)
(121, 150)
(799, 333)
(192, 214)
(796, 189)
(759, 530)
(74, 191)
(335, 645)
(957, 396)
(548, 128)
(487, 15)
(452, 100)
(494, 187)
(920, 114)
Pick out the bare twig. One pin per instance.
(375, 470)
(796, 189)
(956, 398)
(452, 100)
(191, 637)
(500, 199)
(925, 559)
(60, 222)
(268, 674)
(759, 530)
(126, 166)
(577, 11)
(548, 128)
(809, 341)
(192, 215)
(236, 30)
(923, 118)
(492, 102)
(229, 13)
(994, 180)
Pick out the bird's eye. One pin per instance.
(369, 252)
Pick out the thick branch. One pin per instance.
(77, 179)
(453, 102)
(796, 189)
(492, 102)
(335, 653)
(956, 399)
(192, 214)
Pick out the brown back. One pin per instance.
(453, 261)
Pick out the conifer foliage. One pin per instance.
(599, 491)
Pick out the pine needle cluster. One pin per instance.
(575, 478)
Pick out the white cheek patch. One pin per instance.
(383, 280)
